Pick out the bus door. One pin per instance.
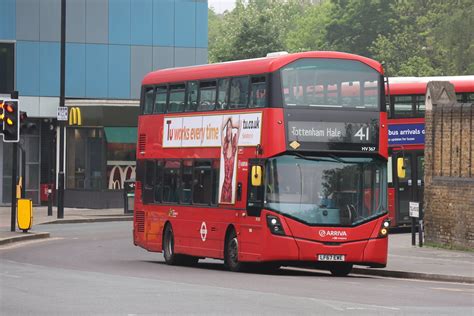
(251, 225)
(409, 182)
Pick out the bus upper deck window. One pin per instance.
(239, 92)
(258, 92)
(148, 101)
(420, 106)
(192, 96)
(403, 106)
(160, 99)
(176, 102)
(223, 94)
(207, 95)
(331, 83)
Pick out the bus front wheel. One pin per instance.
(231, 253)
(341, 270)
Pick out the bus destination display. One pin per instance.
(364, 135)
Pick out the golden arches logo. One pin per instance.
(75, 116)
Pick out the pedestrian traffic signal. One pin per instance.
(10, 120)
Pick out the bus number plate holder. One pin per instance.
(331, 258)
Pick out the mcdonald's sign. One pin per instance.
(75, 116)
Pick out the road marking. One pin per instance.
(452, 289)
(337, 308)
(7, 275)
(375, 307)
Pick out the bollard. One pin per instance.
(25, 214)
(50, 200)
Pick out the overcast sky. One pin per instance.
(221, 5)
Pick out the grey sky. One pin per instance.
(221, 5)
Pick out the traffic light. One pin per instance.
(26, 127)
(10, 118)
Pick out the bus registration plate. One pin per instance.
(331, 257)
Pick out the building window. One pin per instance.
(7, 67)
(85, 158)
(121, 153)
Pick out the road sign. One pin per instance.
(414, 209)
(62, 113)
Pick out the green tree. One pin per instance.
(454, 36)
(355, 24)
(254, 29)
(428, 38)
(310, 31)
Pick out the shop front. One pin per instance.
(100, 154)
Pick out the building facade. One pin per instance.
(110, 46)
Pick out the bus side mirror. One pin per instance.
(256, 176)
(401, 168)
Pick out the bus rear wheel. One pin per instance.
(170, 256)
(341, 270)
(231, 253)
(168, 246)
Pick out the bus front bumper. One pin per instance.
(371, 252)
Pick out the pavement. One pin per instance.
(404, 260)
(40, 217)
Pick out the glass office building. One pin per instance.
(110, 46)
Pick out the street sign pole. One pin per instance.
(61, 105)
(14, 176)
(414, 209)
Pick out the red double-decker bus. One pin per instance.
(265, 162)
(407, 139)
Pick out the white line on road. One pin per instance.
(453, 289)
(8, 275)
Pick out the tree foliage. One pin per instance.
(412, 37)
(254, 28)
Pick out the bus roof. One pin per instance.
(246, 67)
(417, 85)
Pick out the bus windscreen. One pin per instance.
(326, 190)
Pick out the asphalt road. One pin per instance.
(86, 269)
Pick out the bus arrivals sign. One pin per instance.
(406, 134)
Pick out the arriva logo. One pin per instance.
(332, 233)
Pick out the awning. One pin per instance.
(122, 135)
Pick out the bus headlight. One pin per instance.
(383, 232)
(274, 225)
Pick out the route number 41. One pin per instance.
(363, 133)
